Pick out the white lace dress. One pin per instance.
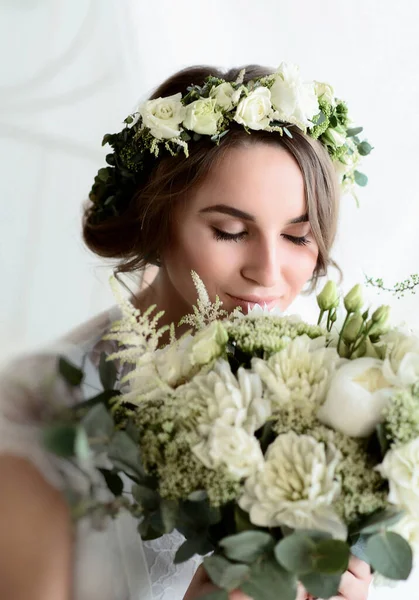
(114, 564)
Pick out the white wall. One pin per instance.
(72, 71)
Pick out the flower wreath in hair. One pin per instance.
(274, 103)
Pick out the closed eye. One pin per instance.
(237, 237)
(298, 241)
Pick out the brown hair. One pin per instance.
(136, 237)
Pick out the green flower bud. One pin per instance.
(353, 300)
(352, 328)
(380, 321)
(381, 315)
(328, 297)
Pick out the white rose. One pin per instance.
(294, 101)
(296, 486)
(223, 95)
(255, 110)
(401, 467)
(202, 116)
(399, 342)
(326, 92)
(357, 395)
(163, 116)
(233, 447)
(347, 164)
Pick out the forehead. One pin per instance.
(261, 179)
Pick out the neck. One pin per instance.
(164, 295)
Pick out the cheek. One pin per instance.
(199, 251)
(300, 268)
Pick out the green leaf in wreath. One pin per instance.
(107, 372)
(247, 546)
(320, 585)
(267, 579)
(360, 178)
(72, 374)
(390, 555)
(351, 132)
(296, 553)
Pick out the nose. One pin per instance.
(263, 264)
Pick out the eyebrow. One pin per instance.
(240, 214)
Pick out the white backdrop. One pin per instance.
(72, 71)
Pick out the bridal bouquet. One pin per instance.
(274, 446)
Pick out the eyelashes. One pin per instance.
(223, 236)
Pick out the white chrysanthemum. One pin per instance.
(237, 401)
(401, 467)
(296, 486)
(299, 374)
(231, 446)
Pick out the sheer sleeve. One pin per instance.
(108, 564)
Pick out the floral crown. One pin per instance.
(273, 103)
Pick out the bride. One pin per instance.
(254, 213)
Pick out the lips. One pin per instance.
(249, 301)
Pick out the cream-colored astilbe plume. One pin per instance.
(205, 311)
(137, 332)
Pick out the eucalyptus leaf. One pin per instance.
(364, 148)
(247, 546)
(225, 574)
(72, 374)
(353, 131)
(147, 498)
(217, 595)
(383, 440)
(331, 556)
(360, 178)
(268, 579)
(102, 398)
(296, 553)
(60, 439)
(320, 585)
(169, 510)
(146, 531)
(380, 520)
(124, 453)
(107, 372)
(98, 425)
(390, 555)
(198, 544)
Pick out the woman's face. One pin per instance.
(244, 231)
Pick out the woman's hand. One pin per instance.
(354, 584)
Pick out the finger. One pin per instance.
(302, 593)
(352, 587)
(359, 568)
(238, 595)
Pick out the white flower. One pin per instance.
(401, 467)
(223, 95)
(255, 110)
(325, 92)
(294, 100)
(408, 528)
(338, 139)
(163, 116)
(171, 366)
(202, 116)
(399, 342)
(356, 398)
(296, 486)
(237, 401)
(299, 374)
(231, 446)
(261, 311)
